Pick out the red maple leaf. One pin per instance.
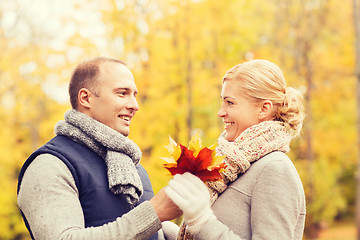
(203, 165)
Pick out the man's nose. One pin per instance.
(133, 104)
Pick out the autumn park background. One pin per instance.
(178, 51)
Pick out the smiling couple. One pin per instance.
(87, 182)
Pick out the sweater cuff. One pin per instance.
(146, 220)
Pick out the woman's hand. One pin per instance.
(193, 198)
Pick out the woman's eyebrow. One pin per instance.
(226, 97)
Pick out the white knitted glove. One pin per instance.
(193, 198)
(170, 230)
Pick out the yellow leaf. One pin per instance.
(216, 161)
(195, 144)
(169, 160)
(213, 147)
(174, 150)
(170, 165)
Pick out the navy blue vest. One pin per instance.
(99, 204)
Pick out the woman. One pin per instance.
(262, 196)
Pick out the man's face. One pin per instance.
(115, 102)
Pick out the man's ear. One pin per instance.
(84, 98)
(265, 110)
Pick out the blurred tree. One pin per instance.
(189, 45)
(356, 12)
(33, 70)
(178, 52)
(303, 35)
(183, 49)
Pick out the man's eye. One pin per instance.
(121, 93)
(229, 102)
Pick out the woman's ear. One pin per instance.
(266, 110)
(84, 98)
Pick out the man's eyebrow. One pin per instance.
(125, 89)
(121, 88)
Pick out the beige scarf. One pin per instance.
(252, 144)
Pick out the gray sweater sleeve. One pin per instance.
(275, 206)
(276, 202)
(48, 197)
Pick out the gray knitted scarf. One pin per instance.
(119, 152)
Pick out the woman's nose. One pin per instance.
(221, 113)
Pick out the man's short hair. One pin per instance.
(86, 76)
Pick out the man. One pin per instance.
(86, 182)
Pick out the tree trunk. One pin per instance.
(313, 229)
(188, 78)
(357, 74)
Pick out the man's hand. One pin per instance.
(165, 208)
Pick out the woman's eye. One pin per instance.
(122, 93)
(230, 103)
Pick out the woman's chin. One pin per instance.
(228, 137)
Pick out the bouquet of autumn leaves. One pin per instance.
(196, 159)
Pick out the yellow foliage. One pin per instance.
(179, 51)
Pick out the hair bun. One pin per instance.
(291, 112)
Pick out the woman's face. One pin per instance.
(237, 112)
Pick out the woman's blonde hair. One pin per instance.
(262, 80)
